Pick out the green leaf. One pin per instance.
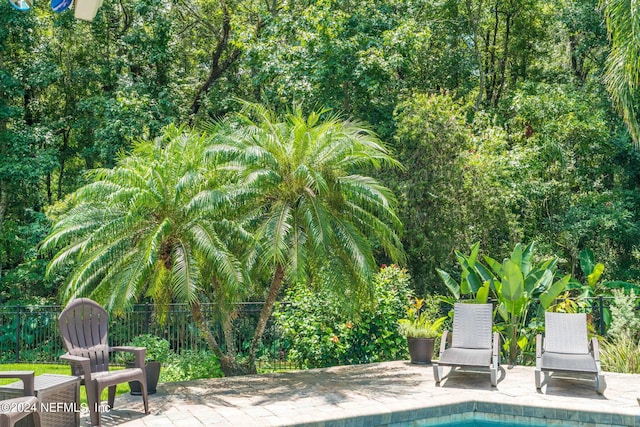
(453, 287)
(482, 296)
(593, 278)
(493, 265)
(512, 281)
(548, 297)
(527, 257)
(516, 255)
(586, 261)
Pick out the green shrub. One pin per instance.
(157, 349)
(624, 320)
(322, 333)
(621, 355)
(190, 365)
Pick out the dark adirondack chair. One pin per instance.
(83, 325)
(20, 407)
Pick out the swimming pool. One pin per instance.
(486, 414)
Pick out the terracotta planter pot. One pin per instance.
(421, 350)
(153, 375)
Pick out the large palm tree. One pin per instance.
(623, 64)
(154, 226)
(314, 212)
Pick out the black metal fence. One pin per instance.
(31, 334)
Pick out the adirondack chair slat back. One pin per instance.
(83, 325)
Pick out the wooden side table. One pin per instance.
(59, 400)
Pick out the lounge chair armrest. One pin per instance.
(444, 340)
(139, 352)
(83, 362)
(538, 345)
(27, 378)
(595, 349)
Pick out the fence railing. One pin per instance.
(31, 333)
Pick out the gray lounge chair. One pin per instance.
(13, 410)
(83, 325)
(472, 343)
(566, 348)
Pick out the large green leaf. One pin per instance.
(548, 297)
(482, 296)
(620, 284)
(512, 281)
(527, 257)
(586, 261)
(451, 284)
(593, 278)
(470, 277)
(493, 265)
(516, 255)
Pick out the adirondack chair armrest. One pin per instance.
(138, 352)
(594, 348)
(445, 342)
(83, 362)
(27, 378)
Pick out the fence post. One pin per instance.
(18, 327)
(601, 319)
(147, 317)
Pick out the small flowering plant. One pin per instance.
(420, 323)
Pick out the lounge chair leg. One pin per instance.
(437, 373)
(494, 376)
(538, 379)
(601, 384)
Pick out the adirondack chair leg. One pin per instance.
(437, 373)
(143, 387)
(112, 396)
(36, 418)
(93, 400)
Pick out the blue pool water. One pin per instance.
(476, 419)
(482, 423)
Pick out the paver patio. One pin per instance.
(373, 394)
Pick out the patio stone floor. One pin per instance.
(374, 394)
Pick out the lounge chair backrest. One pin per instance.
(83, 325)
(566, 333)
(472, 325)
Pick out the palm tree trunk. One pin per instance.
(228, 363)
(267, 309)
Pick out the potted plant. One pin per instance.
(157, 353)
(421, 328)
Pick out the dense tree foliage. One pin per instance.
(499, 112)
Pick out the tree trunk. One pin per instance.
(274, 289)
(503, 62)
(4, 199)
(215, 67)
(474, 19)
(228, 364)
